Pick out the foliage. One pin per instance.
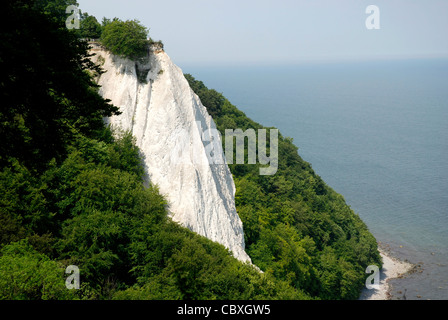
(29, 275)
(211, 99)
(72, 192)
(79, 198)
(93, 211)
(90, 28)
(47, 95)
(126, 38)
(296, 227)
(53, 9)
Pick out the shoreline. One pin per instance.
(392, 268)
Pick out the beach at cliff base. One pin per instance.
(392, 268)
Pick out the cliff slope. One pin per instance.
(171, 128)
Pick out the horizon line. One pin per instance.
(308, 60)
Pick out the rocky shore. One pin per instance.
(392, 268)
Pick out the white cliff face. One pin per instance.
(171, 127)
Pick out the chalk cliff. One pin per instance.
(172, 129)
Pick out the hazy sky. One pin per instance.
(230, 32)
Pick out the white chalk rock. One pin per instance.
(171, 128)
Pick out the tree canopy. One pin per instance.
(126, 38)
(296, 227)
(46, 90)
(72, 193)
(90, 28)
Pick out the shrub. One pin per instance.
(26, 274)
(126, 38)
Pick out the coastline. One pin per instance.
(392, 268)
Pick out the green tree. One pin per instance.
(90, 28)
(26, 274)
(211, 99)
(71, 192)
(126, 38)
(54, 9)
(47, 94)
(296, 227)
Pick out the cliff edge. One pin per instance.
(170, 125)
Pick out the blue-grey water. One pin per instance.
(377, 133)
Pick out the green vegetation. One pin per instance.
(90, 28)
(30, 275)
(71, 193)
(296, 227)
(47, 93)
(93, 211)
(53, 9)
(126, 38)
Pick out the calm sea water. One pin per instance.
(377, 133)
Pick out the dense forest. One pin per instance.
(296, 227)
(72, 193)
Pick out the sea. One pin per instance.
(377, 133)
